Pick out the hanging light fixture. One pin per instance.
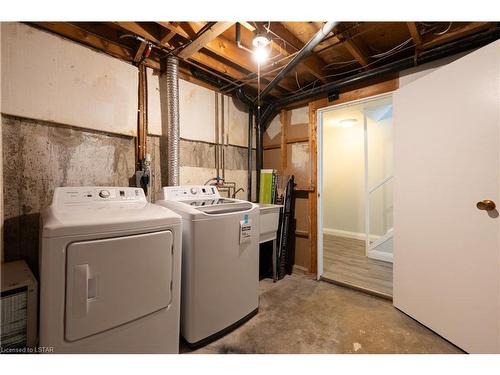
(260, 43)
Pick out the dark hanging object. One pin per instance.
(286, 248)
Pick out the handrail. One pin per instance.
(371, 190)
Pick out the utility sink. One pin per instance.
(269, 221)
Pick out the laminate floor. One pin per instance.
(344, 261)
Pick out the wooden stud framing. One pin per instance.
(285, 117)
(376, 89)
(201, 40)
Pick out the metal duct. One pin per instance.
(304, 52)
(173, 132)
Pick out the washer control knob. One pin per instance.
(104, 194)
(194, 190)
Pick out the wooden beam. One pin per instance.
(201, 40)
(79, 35)
(313, 63)
(285, 117)
(200, 57)
(356, 52)
(470, 28)
(138, 29)
(228, 50)
(140, 51)
(415, 35)
(165, 39)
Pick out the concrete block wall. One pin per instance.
(70, 119)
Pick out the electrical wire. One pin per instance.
(445, 31)
(345, 63)
(297, 79)
(399, 46)
(369, 64)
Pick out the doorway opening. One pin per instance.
(355, 175)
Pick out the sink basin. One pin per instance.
(269, 220)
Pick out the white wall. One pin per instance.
(344, 173)
(68, 83)
(49, 78)
(409, 75)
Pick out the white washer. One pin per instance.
(110, 273)
(220, 264)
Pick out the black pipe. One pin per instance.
(304, 52)
(250, 149)
(238, 33)
(243, 98)
(258, 154)
(448, 49)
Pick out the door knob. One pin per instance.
(486, 205)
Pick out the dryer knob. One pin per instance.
(104, 194)
(193, 190)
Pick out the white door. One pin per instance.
(114, 281)
(446, 155)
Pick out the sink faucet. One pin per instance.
(236, 192)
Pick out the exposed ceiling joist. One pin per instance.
(77, 34)
(199, 57)
(357, 51)
(313, 63)
(140, 51)
(165, 39)
(415, 34)
(137, 28)
(205, 37)
(468, 29)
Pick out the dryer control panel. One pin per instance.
(178, 193)
(88, 194)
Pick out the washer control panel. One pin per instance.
(177, 193)
(73, 195)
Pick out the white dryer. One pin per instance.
(110, 273)
(220, 261)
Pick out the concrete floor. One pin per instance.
(300, 315)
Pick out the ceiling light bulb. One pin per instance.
(260, 40)
(260, 54)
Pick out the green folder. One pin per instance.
(266, 186)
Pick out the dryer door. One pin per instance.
(110, 282)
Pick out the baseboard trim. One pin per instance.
(348, 234)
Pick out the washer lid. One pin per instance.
(96, 210)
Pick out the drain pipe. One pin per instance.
(173, 121)
(304, 52)
(249, 151)
(258, 155)
(243, 98)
